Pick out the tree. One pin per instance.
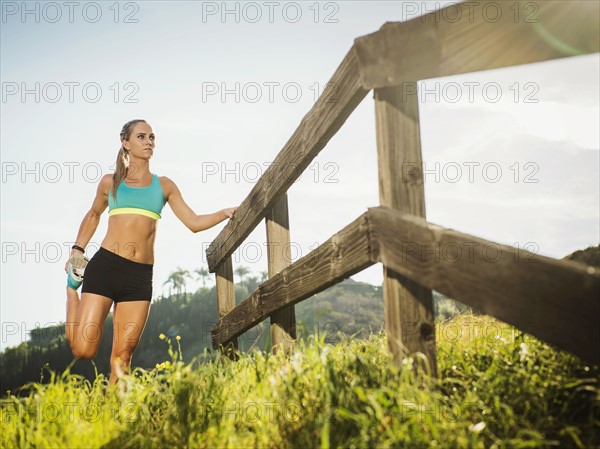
(251, 283)
(171, 283)
(202, 274)
(183, 276)
(242, 271)
(264, 275)
(177, 280)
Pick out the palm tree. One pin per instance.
(242, 271)
(202, 274)
(251, 283)
(171, 282)
(183, 275)
(176, 281)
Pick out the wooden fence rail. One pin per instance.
(535, 293)
(557, 301)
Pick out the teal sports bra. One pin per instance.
(148, 201)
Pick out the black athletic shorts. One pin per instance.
(118, 278)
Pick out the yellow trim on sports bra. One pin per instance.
(134, 210)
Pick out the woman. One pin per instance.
(121, 270)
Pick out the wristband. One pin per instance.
(78, 248)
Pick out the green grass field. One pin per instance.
(497, 388)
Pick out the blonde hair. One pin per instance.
(121, 170)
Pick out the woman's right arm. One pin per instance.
(91, 220)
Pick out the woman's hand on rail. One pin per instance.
(229, 212)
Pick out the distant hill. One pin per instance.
(589, 256)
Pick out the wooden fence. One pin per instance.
(557, 301)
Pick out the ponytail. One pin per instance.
(123, 157)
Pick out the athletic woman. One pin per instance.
(120, 272)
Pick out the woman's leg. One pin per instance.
(72, 307)
(129, 321)
(88, 324)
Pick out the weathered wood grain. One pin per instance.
(558, 301)
(279, 255)
(474, 36)
(225, 293)
(408, 306)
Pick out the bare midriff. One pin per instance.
(131, 236)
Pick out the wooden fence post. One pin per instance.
(226, 298)
(283, 322)
(409, 317)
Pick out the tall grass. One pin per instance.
(497, 388)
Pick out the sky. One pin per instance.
(510, 155)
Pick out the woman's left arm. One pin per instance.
(188, 217)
